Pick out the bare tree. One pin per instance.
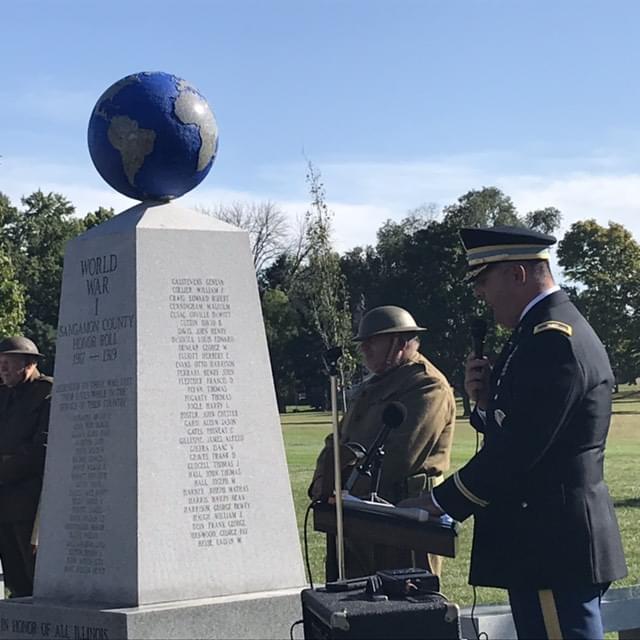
(300, 245)
(265, 222)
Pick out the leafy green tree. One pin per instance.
(419, 263)
(11, 298)
(12, 295)
(37, 235)
(362, 268)
(392, 235)
(294, 345)
(605, 264)
(281, 323)
(94, 218)
(379, 275)
(546, 220)
(34, 239)
(486, 207)
(8, 214)
(280, 274)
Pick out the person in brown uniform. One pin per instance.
(416, 453)
(25, 397)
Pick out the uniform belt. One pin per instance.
(420, 483)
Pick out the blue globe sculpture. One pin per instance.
(152, 136)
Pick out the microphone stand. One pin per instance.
(331, 361)
(371, 465)
(376, 473)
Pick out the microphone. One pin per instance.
(330, 359)
(393, 414)
(478, 333)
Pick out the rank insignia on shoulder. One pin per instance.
(554, 325)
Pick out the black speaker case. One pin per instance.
(353, 614)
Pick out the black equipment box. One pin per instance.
(400, 583)
(354, 614)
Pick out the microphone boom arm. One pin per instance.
(371, 465)
(374, 453)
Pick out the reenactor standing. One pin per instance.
(417, 452)
(25, 397)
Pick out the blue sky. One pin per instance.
(397, 103)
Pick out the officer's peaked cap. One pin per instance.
(20, 346)
(486, 245)
(386, 319)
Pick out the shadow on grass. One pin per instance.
(634, 503)
(625, 413)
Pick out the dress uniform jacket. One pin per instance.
(416, 452)
(543, 514)
(24, 418)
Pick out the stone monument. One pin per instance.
(166, 509)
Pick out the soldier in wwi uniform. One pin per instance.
(416, 453)
(25, 397)
(545, 528)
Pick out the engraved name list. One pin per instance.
(215, 495)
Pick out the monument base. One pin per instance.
(267, 614)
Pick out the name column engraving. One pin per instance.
(214, 492)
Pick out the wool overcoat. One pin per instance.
(416, 452)
(24, 420)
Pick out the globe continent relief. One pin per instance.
(152, 136)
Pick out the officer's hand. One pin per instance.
(476, 380)
(423, 501)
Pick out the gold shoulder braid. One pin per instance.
(554, 325)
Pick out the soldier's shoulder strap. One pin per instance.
(553, 325)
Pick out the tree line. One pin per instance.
(313, 297)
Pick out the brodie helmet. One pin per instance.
(19, 345)
(386, 319)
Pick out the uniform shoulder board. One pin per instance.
(554, 325)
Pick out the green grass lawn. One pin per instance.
(305, 431)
